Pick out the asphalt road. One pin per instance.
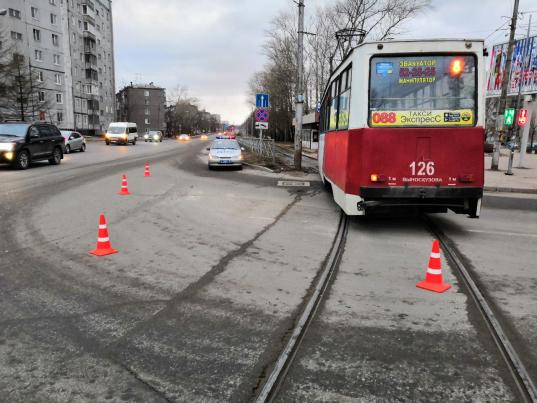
(212, 271)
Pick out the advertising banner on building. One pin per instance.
(524, 67)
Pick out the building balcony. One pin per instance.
(89, 34)
(90, 50)
(88, 18)
(88, 9)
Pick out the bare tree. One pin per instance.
(22, 96)
(362, 19)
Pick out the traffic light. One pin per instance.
(522, 117)
(509, 116)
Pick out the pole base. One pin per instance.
(509, 173)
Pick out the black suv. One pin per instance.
(21, 143)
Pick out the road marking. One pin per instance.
(261, 218)
(502, 233)
(293, 183)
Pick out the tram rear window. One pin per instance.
(422, 91)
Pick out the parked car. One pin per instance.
(183, 137)
(122, 133)
(153, 135)
(22, 143)
(74, 141)
(225, 153)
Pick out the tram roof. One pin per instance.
(395, 41)
(336, 70)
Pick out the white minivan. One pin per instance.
(122, 133)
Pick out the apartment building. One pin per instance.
(143, 104)
(70, 49)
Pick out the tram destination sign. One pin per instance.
(459, 117)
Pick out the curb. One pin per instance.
(499, 189)
(260, 168)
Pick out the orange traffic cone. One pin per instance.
(147, 172)
(103, 241)
(124, 187)
(433, 279)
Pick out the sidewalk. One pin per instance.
(523, 180)
(307, 152)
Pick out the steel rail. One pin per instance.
(286, 357)
(518, 370)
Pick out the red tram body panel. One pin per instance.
(352, 156)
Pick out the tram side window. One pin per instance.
(336, 106)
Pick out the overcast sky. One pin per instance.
(212, 47)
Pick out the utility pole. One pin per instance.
(300, 88)
(525, 132)
(505, 83)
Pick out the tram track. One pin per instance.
(520, 375)
(286, 357)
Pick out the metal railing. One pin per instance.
(264, 148)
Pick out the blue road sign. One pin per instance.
(261, 100)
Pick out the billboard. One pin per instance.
(524, 67)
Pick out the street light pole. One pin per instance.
(525, 133)
(505, 83)
(299, 88)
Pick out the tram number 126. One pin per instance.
(422, 168)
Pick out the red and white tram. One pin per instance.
(402, 124)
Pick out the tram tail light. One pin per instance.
(376, 178)
(456, 67)
(466, 178)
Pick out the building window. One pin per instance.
(147, 111)
(146, 121)
(35, 12)
(58, 79)
(40, 76)
(146, 93)
(41, 96)
(55, 40)
(87, 88)
(37, 35)
(52, 2)
(17, 36)
(38, 55)
(14, 13)
(57, 59)
(59, 117)
(53, 19)
(59, 98)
